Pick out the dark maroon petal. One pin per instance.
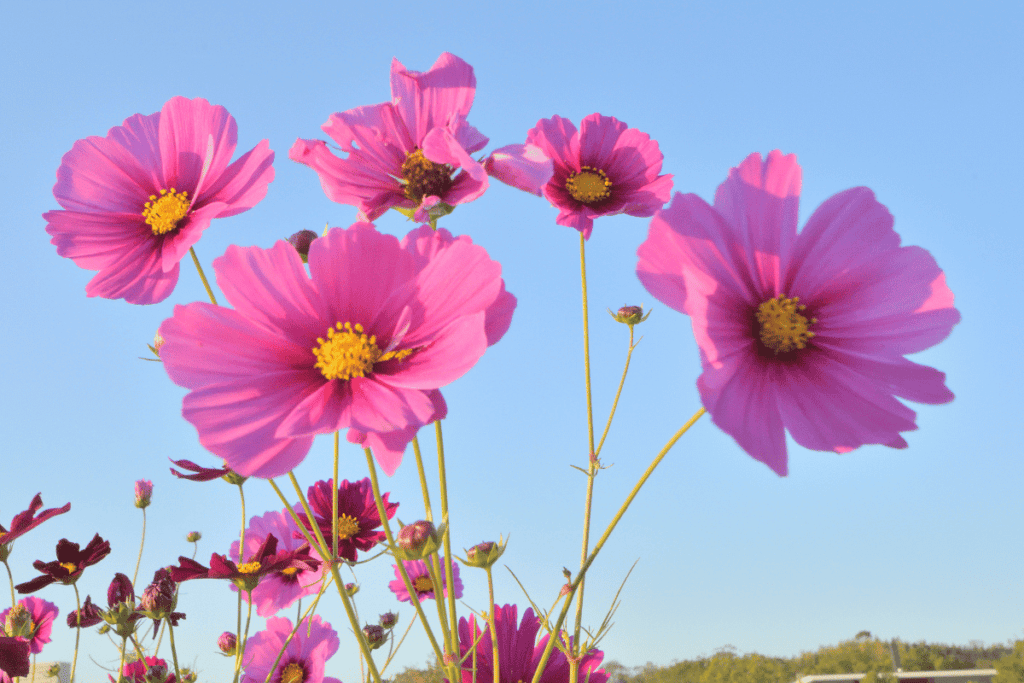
(24, 522)
(188, 569)
(14, 656)
(95, 551)
(35, 584)
(120, 590)
(201, 473)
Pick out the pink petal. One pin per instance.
(244, 183)
(558, 139)
(456, 349)
(522, 166)
(597, 140)
(441, 147)
(186, 128)
(435, 98)
(389, 447)
(137, 275)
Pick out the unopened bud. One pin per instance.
(565, 590)
(351, 589)
(375, 636)
(158, 341)
(143, 493)
(156, 674)
(189, 676)
(389, 620)
(120, 591)
(485, 554)
(227, 643)
(193, 536)
(630, 315)
(301, 241)
(417, 540)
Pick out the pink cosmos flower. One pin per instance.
(281, 588)
(402, 154)
(303, 660)
(136, 672)
(602, 169)
(519, 652)
(361, 343)
(41, 613)
(419, 574)
(358, 519)
(135, 201)
(143, 493)
(805, 331)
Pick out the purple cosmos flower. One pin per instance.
(421, 581)
(88, 615)
(358, 518)
(805, 332)
(25, 521)
(135, 201)
(247, 575)
(519, 652)
(40, 617)
(69, 565)
(360, 343)
(282, 588)
(136, 671)
(403, 153)
(303, 660)
(602, 169)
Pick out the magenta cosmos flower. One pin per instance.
(421, 581)
(519, 652)
(358, 519)
(602, 169)
(303, 659)
(36, 630)
(805, 331)
(361, 343)
(137, 671)
(402, 154)
(25, 522)
(281, 588)
(135, 201)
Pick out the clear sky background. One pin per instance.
(921, 102)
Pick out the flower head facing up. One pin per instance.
(70, 563)
(602, 169)
(419, 575)
(805, 332)
(32, 619)
(281, 588)
(266, 560)
(303, 659)
(412, 153)
(360, 343)
(358, 519)
(135, 201)
(25, 521)
(519, 651)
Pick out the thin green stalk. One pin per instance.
(448, 570)
(10, 578)
(174, 652)
(434, 570)
(241, 535)
(618, 393)
(299, 618)
(124, 647)
(395, 648)
(492, 624)
(78, 630)
(334, 498)
(142, 543)
(423, 479)
(202, 276)
(604, 537)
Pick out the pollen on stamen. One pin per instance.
(423, 178)
(293, 673)
(249, 567)
(349, 352)
(783, 328)
(163, 212)
(348, 526)
(589, 185)
(423, 584)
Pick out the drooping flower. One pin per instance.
(519, 651)
(25, 521)
(602, 169)
(358, 519)
(70, 563)
(404, 154)
(247, 575)
(303, 660)
(40, 615)
(805, 332)
(282, 588)
(135, 201)
(419, 575)
(361, 343)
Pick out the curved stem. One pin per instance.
(448, 570)
(142, 543)
(202, 276)
(618, 393)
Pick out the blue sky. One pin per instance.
(920, 102)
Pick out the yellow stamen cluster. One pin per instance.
(163, 213)
(249, 567)
(423, 178)
(349, 352)
(348, 527)
(783, 329)
(293, 673)
(290, 571)
(423, 584)
(70, 566)
(589, 185)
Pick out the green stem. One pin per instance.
(618, 393)
(10, 578)
(124, 648)
(78, 631)
(448, 569)
(604, 537)
(592, 468)
(492, 624)
(174, 652)
(142, 543)
(423, 478)
(241, 535)
(434, 570)
(334, 498)
(202, 276)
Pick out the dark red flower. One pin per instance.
(201, 473)
(247, 574)
(14, 656)
(120, 590)
(159, 600)
(88, 615)
(71, 562)
(357, 515)
(24, 522)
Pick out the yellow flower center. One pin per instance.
(783, 329)
(348, 352)
(70, 566)
(423, 584)
(589, 185)
(348, 527)
(164, 212)
(293, 673)
(423, 178)
(249, 568)
(290, 571)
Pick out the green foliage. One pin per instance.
(1010, 666)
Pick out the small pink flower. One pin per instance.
(143, 493)
(41, 613)
(419, 574)
(303, 658)
(404, 154)
(135, 201)
(805, 332)
(360, 343)
(136, 672)
(602, 169)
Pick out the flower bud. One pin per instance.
(389, 620)
(158, 599)
(158, 341)
(103, 629)
(630, 315)
(375, 636)
(19, 622)
(485, 554)
(417, 540)
(120, 591)
(156, 674)
(193, 536)
(188, 676)
(54, 670)
(227, 643)
(565, 590)
(143, 492)
(301, 241)
(351, 589)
